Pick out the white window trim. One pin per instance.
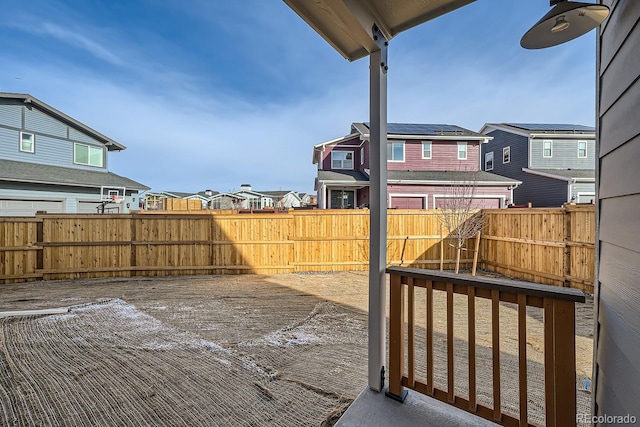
(361, 156)
(404, 153)
(76, 144)
(505, 150)
(585, 150)
(342, 168)
(430, 150)
(486, 156)
(466, 152)
(33, 143)
(544, 141)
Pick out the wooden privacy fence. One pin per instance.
(82, 246)
(551, 246)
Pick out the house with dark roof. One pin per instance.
(555, 162)
(52, 162)
(424, 163)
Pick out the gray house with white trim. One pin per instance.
(52, 162)
(555, 162)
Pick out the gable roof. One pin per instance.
(11, 170)
(280, 193)
(542, 130)
(59, 115)
(578, 175)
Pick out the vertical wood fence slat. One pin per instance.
(495, 344)
(429, 331)
(522, 357)
(471, 314)
(450, 338)
(411, 348)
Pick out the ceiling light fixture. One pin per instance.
(566, 21)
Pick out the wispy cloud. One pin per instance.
(77, 39)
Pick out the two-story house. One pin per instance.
(555, 162)
(52, 162)
(423, 162)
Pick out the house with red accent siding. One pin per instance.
(423, 162)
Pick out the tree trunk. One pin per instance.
(457, 260)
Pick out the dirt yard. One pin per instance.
(283, 350)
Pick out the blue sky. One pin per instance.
(216, 93)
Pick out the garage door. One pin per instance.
(407, 202)
(92, 207)
(29, 207)
(478, 203)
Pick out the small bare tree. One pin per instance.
(459, 213)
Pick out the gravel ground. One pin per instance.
(222, 350)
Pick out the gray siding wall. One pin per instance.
(39, 122)
(542, 192)
(616, 368)
(76, 135)
(513, 169)
(564, 155)
(11, 115)
(579, 188)
(70, 196)
(54, 140)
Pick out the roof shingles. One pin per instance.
(11, 170)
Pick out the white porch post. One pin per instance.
(378, 212)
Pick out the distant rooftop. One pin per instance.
(427, 129)
(551, 127)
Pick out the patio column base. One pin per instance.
(400, 398)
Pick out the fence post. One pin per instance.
(134, 249)
(566, 258)
(396, 339)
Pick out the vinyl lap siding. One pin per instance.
(9, 145)
(10, 115)
(617, 374)
(76, 135)
(564, 155)
(444, 156)
(542, 192)
(519, 159)
(37, 121)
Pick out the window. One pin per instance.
(488, 161)
(426, 150)
(395, 151)
(88, 155)
(27, 142)
(462, 151)
(342, 160)
(582, 149)
(506, 154)
(362, 156)
(546, 148)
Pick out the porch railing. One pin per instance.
(558, 305)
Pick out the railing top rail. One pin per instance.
(492, 283)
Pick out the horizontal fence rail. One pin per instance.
(68, 246)
(558, 305)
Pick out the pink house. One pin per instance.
(424, 161)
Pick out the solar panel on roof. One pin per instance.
(425, 129)
(551, 127)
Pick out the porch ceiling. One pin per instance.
(347, 24)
